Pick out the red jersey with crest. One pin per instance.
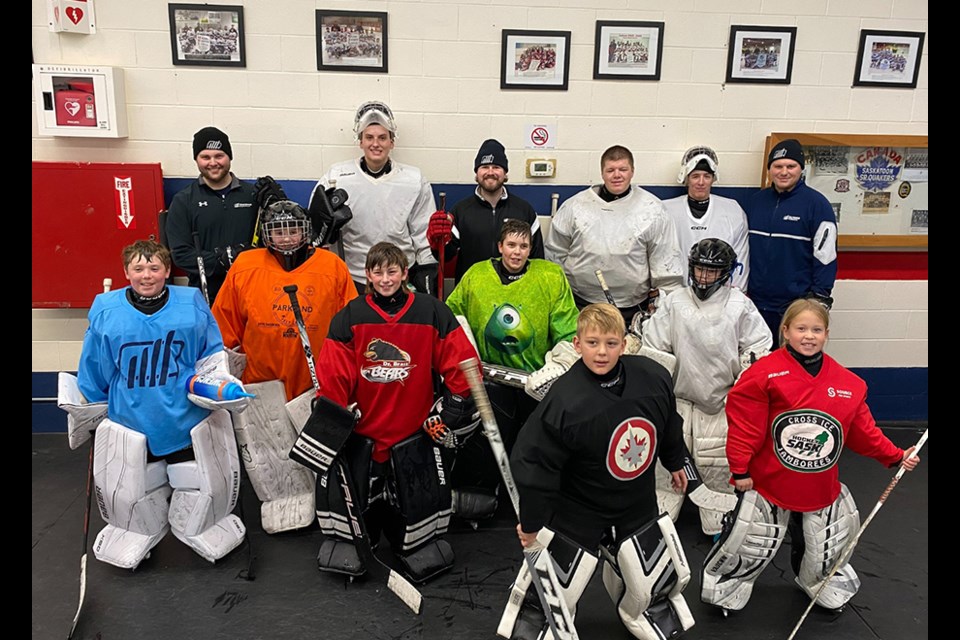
(585, 460)
(787, 429)
(386, 364)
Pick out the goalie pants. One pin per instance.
(752, 534)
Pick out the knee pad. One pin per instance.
(419, 484)
(826, 534)
(133, 496)
(205, 490)
(752, 533)
(574, 567)
(645, 575)
(339, 556)
(431, 559)
(265, 435)
(709, 442)
(330, 506)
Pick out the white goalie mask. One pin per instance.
(692, 157)
(284, 227)
(374, 112)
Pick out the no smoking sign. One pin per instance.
(540, 136)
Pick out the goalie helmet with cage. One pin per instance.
(716, 260)
(699, 157)
(374, 112)
(285, 227)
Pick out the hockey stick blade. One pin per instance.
(544, 576)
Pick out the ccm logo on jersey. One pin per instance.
(842, 393)
(791, 218)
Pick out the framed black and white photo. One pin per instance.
(534, 59)
(624, 50)
(759, 54)
(207, 35)
(352, 41)
(888, 58)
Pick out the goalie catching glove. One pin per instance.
(557, 361)
(268, 191)
(328, 213)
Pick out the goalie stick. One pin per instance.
(505, 375)
(203, 272)
(107, 283)
(443, 207)
(379, 571)
(845, 556)
(606, 289)
(539, 563)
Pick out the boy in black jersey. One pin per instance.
(584, 466)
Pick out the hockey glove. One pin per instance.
(268, 191)
(226, 255)
(440, 230)
(826, 301)
(557, 361)
(237, 405)
(423, 278)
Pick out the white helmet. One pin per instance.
(692, 157)
(374, 112)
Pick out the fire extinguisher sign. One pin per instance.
(123, 197)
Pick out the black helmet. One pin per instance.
(711, 253)
(284, 227)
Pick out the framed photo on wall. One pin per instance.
(888, 58)
(624, 50)
(207, 35)
(760, 54)
(534, 59)
(352, 41)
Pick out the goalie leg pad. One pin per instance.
(645, 575)
(337, 556)
(331, 508)
(522, 617)
(429, 560)
(709, 440)
(826, 534)
(323, 435)
(131, 494)
(752, 534)
(205, 490)
(419, 484)
(265, 435)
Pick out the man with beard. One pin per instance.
(471, 229)
(217, 206)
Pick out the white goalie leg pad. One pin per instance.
(131, 494)
(752, 534)
(265, 434)
(826, 534)
(574, 567)
(646, 578)
(205, 490)
(709, 450)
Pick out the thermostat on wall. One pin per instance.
(543, 168)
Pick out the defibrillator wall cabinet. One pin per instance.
(80, 101)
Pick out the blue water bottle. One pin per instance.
(215, 389)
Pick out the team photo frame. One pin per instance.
(534, 59)
(888, 58)
(761, 54)
(626, 50)
(207, 35)
(351, 41)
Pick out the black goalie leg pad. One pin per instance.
(428, 561)
(338, 556)
(324, 434)
(421, 489)
(531, 624)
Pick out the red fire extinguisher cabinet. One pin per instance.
(84, 213)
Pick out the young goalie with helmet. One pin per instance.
(715, 332)
(254, 316)
(584, 467)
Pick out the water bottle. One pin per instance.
(216, 389)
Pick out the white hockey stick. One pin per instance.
(507, 376)
(379, 571)
(544, 576)
(200, 267)
(107, 283)
(845, 556)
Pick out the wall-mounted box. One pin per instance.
(71, 16)
(80, 101)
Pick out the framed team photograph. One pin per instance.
(624, 50)
(207, 35)
(534, 59)
(759, 54)
(352, 41)
(888, 58)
